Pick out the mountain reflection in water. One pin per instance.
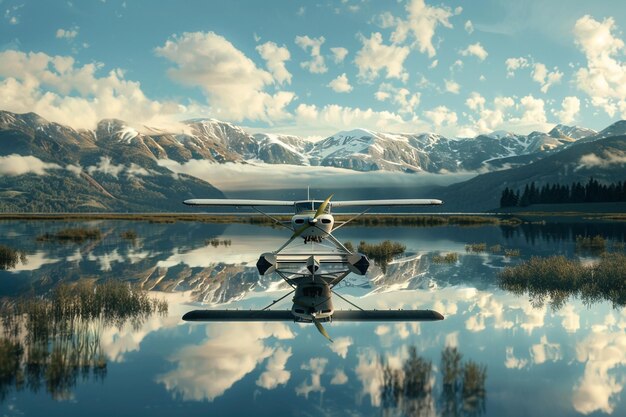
(55, 340)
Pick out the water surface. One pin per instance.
(537, 360)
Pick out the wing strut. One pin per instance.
(280, 299)
(346, 300)
(351, 218)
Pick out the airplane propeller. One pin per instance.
(321, 329)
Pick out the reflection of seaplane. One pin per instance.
(312, 273)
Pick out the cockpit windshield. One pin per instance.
(302, 206)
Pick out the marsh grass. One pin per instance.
(592, 244)
(54, 341)
(556, 278)
(129, 235)
(511, 253)
(217, 242)
(9, 257)
(382, 253)
(77, 235)
(408, 389)
(476, 247)
(448, 258)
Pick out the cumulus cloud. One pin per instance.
(234, 350)
(420, 24)
(341, 345)
(316, 65)
(233, 84)
(339, 377)
(513, 64)
(546, 78)
(604, 77)
(570, 108)
(374, 56)
(275, 373)
(452, 86)
(469, 27)
(67, 33)
(334, 117)
(316, 366)
(441, 115)
(402, 97)
(59, 90)
(14, 165)
(340, 84)
(339, 54)
(489, 118)
(533, 110)
(275, 56)
(475, 49)
(599, 388)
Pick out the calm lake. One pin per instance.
(536, 360)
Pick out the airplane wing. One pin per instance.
(338, 315)
(234, 202)
(398, 202)
(238, 315)
(386, 315)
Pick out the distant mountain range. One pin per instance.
(115, 167)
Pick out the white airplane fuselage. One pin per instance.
(319, 228)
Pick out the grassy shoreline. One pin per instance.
(252, 218)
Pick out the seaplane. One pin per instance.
(313, 268)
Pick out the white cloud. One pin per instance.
(407, 102)
(232, 82)
(340, 84)
(604, 77)
(512, 362)
(341, 345)
(546, 78)
(316, 366)
(374, 56)
(441, 115)
(452, 86)
(13, 165)
(275, 373)
(606, 160)
(339, 377)
(489, 119)
(599, 389)
(570, 108)
(316, 65)
(59, 90)
(67, 33)
(513, 64)
(421, 22)
(276, 56)
(332, 118)
(434, 64)
(533, 110)
(475, 49)
(469, 27)
(475, 101)
(339, 54)
(544, 351)
(234, 350)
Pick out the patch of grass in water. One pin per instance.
(448, 258)
(557, 278)
(77, 235)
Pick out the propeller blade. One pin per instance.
(320, 210)
(322, 330)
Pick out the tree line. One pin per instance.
(592, 192)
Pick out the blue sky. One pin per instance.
(312, 68)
